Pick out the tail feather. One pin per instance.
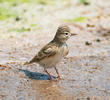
(25, 63)
(28, 62)
(31, 61)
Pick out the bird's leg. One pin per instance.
(57, 72)
(48, 74)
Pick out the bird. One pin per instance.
(52, 53)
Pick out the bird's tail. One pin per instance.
(28, 62)
(25, 63)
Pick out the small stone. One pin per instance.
(18, 18)
(90, 25)
(11, 36)
(88, 98)
(88, 43)
(98, 40)
(0, 50)
(86, 3)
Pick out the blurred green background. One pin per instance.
(8, 7)
(36, 16)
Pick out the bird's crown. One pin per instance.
(63, 28)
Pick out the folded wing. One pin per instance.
(47, 51)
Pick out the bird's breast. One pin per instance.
(63, 50)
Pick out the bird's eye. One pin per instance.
(66, 33)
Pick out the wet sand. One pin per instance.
(85, 71)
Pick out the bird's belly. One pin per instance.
(53, 60)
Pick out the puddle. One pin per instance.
(49, 90)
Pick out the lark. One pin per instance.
(52, 53)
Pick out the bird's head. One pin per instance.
(63, 33)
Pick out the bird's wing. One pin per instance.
(47, 51)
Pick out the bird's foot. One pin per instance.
(58, 77)
(54, 79)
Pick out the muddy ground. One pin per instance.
(85, 71)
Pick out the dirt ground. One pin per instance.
(85, 71)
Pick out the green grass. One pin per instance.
(7, 12)
(85, 2)
(78, 19)
(44, 2)
(7, 7)
(16, 1)
(82, 1)
(20, 30)
(23, 29)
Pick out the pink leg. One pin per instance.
(57, 73)
(48, 74)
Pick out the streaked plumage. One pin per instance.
(51, 54)
(54, 51)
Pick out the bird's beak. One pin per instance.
(72, 34)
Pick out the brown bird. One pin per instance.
(54, 51)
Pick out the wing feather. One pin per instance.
(45, 52)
